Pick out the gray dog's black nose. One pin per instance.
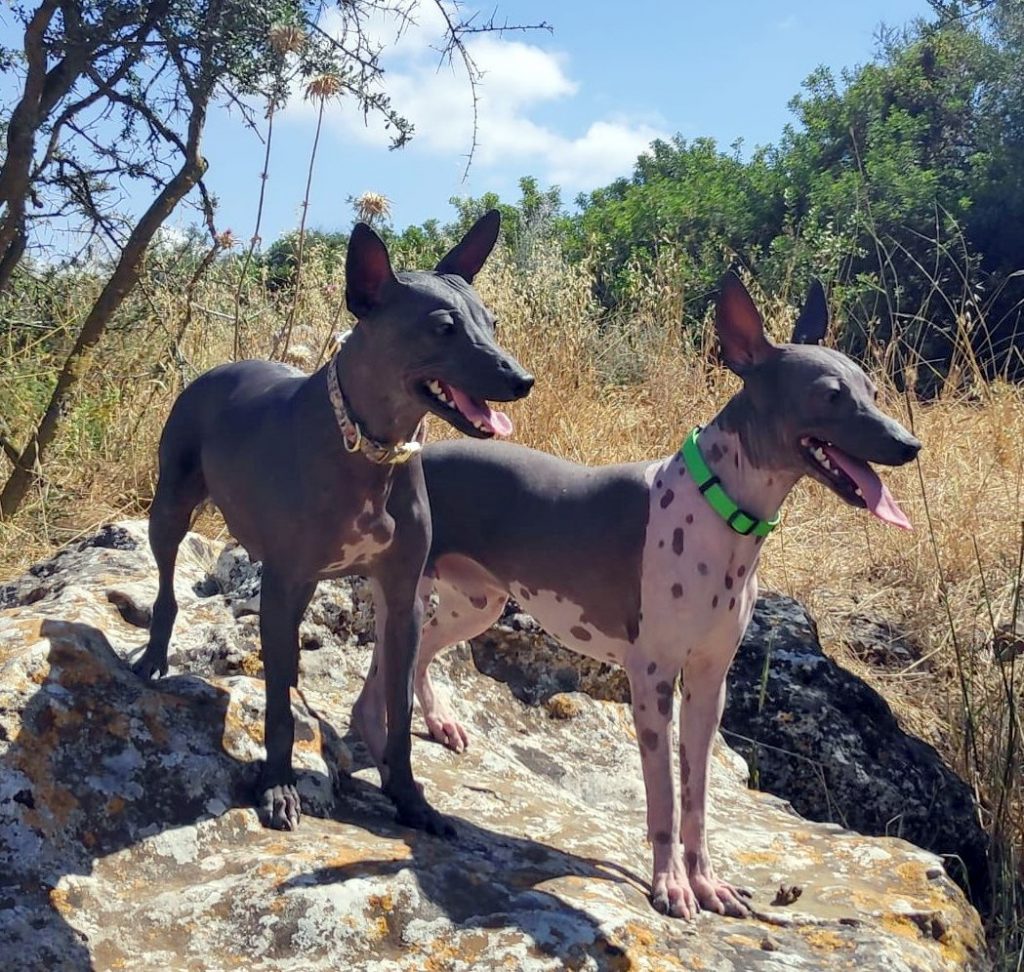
(521, 386)
(910, 449)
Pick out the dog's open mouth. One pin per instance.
(476, 412)
(853, 480)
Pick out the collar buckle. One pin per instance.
(738, 520)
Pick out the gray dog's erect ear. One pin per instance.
(467, 257)
(367, 270)
(812, 323)
(740, 328)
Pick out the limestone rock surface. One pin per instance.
(127, 839)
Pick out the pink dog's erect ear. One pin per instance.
(467, 257)
(812, 323)
(367, 270)
(740, 328)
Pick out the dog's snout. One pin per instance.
(911, 447)
(521, 384)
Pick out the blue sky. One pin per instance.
(573, 107)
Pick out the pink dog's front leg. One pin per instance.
(652, 693)
(703, 701)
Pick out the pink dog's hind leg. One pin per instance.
(469, 602)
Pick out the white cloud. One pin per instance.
(517, 79)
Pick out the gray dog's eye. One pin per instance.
(442, 322)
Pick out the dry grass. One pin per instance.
(622, 390)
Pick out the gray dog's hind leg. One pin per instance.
(180, 489)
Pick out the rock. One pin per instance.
(518, 651)
(821, 738)
(829, 743)
(127, 839)
(881, 644)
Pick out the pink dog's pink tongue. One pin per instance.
(879, 500)
(497, 422)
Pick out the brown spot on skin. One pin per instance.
(714, 601)
(524, 593)
(663, 688)
(684, 766)
(732, 603)
(558, 598)
(649, 739)
(741, 570)
(581, 633)
(532, 590)
(643, 708)
(716, 453)
(702, 569)
(611, 655)
(478, 601)
(666, 500)
(665, 704)
(433, 622)
(658, 484)
(455, 614)
(677, 590)
(689, 518)
(661, 543)
(678, 541)
(771, 480)
(661, 837)
(682, 470)
(728, 582)
(652, 668)
(686, 696)
(736, 460)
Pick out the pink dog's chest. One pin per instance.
(698, 585)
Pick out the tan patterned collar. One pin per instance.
(355, 440)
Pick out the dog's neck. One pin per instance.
(737, 451)
(381, 406)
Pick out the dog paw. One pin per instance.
(673, 896)
(443, 728)
(420, 815)
(720, 896)
(150, 665)
(280, 807)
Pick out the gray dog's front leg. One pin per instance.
(281, 608)
(402, 614)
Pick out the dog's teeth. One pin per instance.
(434, 386)
(819, 455)
(859, 493)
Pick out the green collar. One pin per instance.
(718, 499)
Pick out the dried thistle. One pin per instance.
(226, 240)
(324, 86)
(371, 206)
(287, 39)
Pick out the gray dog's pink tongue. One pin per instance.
(497, 422)
(879, 500)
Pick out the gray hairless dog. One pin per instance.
(320, 477)
(652, 565)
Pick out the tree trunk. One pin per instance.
(120, 284)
